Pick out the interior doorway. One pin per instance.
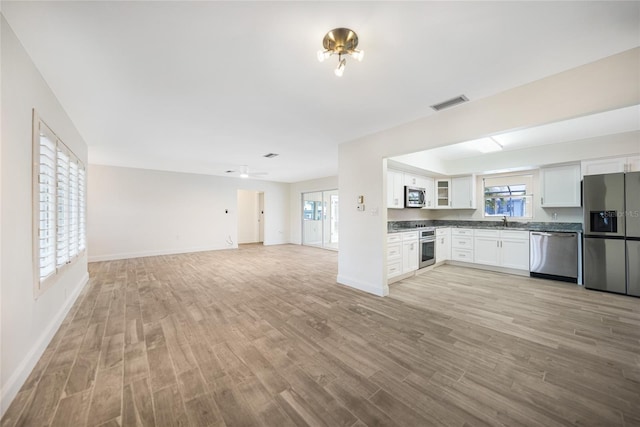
(261, 217)
(320, 219)
(250, 217)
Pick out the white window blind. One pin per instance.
(59, 205)
(62, 248)
(82, 222)
(74, 213)
(46, 207)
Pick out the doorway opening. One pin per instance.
(250, 217)
(320, 219)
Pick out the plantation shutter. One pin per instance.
(59, 206)
(82, 221)
(73, 209)
(62, 235)
(47, 207)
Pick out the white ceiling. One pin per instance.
(207, 86)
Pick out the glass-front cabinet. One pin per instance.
(443, 195)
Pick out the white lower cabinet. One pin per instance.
(462, 244)
(409, 251)
(402, 253)
(487, 245)
(502, 248)
(443, 244)
(394, 255)
(498, 248)
(515, 252)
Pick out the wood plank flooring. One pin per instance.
(263, 336)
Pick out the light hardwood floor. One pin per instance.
(264, 336)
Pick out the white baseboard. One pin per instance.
(497, 269)
(141, 254)
(362, 286)
(20, 375)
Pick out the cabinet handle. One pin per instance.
(542, 200)
(497, 244)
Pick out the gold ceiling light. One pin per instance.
(341, 42)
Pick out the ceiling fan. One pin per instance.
(243, 172)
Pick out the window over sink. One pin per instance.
(508, 196)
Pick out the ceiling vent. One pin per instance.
(450, 103)
(270, 155)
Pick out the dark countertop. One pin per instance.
(399, 226)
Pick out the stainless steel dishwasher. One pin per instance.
(554, 255)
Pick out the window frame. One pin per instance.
(528, 179)
(41, 284)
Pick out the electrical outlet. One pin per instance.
(360, 207)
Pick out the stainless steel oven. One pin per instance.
(427, 247)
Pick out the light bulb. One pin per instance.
(323, 54)
(358, 55)
(340, 69)
(244, 175)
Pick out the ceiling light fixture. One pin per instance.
(340, 41)
(244, 172)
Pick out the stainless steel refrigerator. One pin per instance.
(632, 235)
(612, 232)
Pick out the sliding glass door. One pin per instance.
(320, 219)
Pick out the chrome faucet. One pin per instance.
(504, 221)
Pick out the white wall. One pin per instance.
(248, 225)
(604, 85)
(139, 212)
(295, 207)
(27, 324)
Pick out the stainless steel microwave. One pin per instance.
(414, 197)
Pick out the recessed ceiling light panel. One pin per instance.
(485, 145)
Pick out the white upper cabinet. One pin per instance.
(429, 197)
(611, 165)
(463, 191)
(395, 189)
(411, 180)
(418, 181)
(442, 193)
(560, 186)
